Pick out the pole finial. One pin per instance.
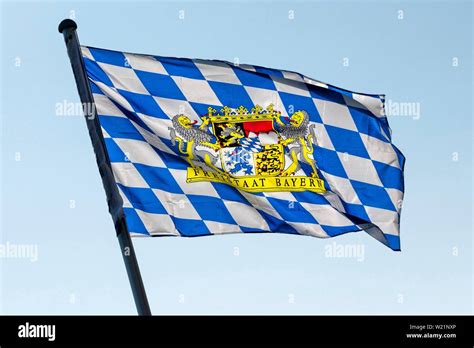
(65, 24)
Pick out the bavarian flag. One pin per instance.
(200, 147)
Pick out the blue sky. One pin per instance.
(52, 197)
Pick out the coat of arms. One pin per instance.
(254, 151)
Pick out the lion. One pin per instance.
(232, 132)
(189, 137)
(299, 137)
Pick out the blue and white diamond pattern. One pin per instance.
(136, 97)
(251, 144)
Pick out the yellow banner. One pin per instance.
(252, 183)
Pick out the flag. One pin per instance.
(200, 147)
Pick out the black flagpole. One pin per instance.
(68, 28)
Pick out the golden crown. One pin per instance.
(257, 113)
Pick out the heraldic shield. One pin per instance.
(255, 151)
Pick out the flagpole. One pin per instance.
(68, 28)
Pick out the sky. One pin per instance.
(53, 207)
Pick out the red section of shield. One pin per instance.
(258, 127)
